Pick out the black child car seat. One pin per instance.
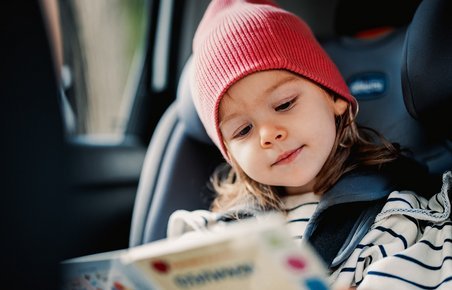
(176, 169)
(181, 157)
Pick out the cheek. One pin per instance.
(319, 132)
(331, 136)
(246, 157)
(327, 134)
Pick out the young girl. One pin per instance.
(283, 118)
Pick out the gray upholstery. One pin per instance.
(181, 157)
(427, 66)
(186, 109)
(372, 69)
(176, 169)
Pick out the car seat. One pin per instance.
(372, 66)
(181, 157)
(176, 169)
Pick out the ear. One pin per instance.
(340, 105)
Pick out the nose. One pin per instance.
(270, 134)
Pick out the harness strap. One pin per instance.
(334, 237)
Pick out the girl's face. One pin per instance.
(279, 128)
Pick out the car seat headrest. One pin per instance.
(427, 66)
(186, 109)
(355, 16)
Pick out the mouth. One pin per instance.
(288, 156)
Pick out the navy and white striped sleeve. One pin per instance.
(408, 247)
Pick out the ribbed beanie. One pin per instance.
(236, 38)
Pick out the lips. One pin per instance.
(287, 156)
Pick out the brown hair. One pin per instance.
(354, 146)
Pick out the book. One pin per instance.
(250, 254)
(89, 272)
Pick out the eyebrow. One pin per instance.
(228, 116)
(281, 82)
(269, 90)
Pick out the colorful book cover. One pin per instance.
(88, 272)
(247, 255)
(251, 254)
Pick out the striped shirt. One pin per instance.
(409, 245)
(299, 210)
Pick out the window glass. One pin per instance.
(103, 45)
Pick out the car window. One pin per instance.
(103, 46)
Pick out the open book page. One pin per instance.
(88, 272)
(250, 254)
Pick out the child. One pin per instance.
(282, 116)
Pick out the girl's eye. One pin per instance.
(243, 132)
(285, 106)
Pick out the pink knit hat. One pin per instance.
(236, 38)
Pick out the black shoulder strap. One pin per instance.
(337, 223)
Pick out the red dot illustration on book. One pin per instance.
(296, 263)
(160, 266)
(118, 286)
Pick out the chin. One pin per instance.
(306, 185)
